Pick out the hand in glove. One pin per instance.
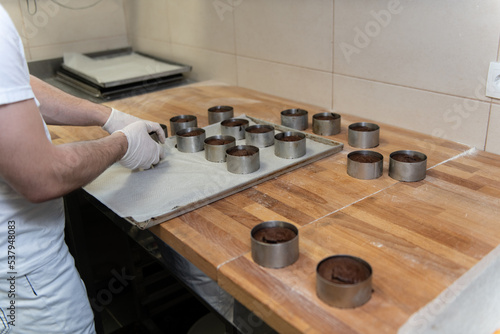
(119, 120)
(142, 152)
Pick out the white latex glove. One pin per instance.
(118, 120)
(142, 152)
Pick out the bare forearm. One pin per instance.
(76, 164)
(60, 108)
(41, 171)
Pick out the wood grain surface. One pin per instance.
(419, 237)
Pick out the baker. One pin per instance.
(40, 289)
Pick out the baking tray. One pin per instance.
(147, 74)
(148, 198)
(120, 91)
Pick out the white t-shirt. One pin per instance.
(49, 294)
(38, 228)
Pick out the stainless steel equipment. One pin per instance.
(139, 81)
(275, 254)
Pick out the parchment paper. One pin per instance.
(119, 68)
(181, 179)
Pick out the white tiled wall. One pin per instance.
(440, 115)
(440, 46)
(420, 64)
(292, 32)
(48, 29)
(493, 141)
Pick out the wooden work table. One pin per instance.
(419, 237)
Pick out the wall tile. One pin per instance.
(442, 46)
(148, 19)
(444, 116)
(495, 101)
(53, 24)
(207, 64)
(160, 49)
(196, 23)
(296, 83)
(294, 32)
(83, 46)
(493, 139)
